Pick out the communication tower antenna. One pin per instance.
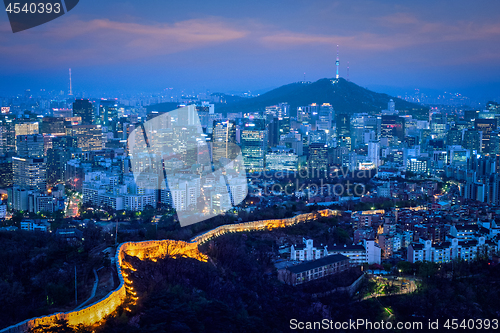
(337, 63)
(70, 86)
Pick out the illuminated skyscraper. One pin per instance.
(325, 119)
(392, 126)
(58, 156)
(30, 145)
(83, 108)
(89, 137)
(187, 116)
(224, 139)
(318, 157)
(374, 152)
(281, 158)
(454, 137)
(108, 112)
(7, 135)
(472, 140)
(5, 172)
(29, 173)
(343, 121)
(254, 144)
(438, 123)
(391, 106)
(53, 126)
(486, 126)
(27, 128)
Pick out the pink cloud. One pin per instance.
(397, 19)
(100, 41)
(103, 41)
(414, 34)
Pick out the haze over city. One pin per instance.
(129, 46)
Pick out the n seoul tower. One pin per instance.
(337, 63)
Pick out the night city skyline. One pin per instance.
(261, 166)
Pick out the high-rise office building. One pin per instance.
(273, 133)
(343, 128)
(64, 142)
(438, 123)
(336, 155)
(308, 114)
(486, 126)
(30, 145)
(27, 128)
(411, 141)
(391, 106)
(84, 109)
(58, 156)
(495, 142)
(472, 140)
(418, 165)
(164, 118)
(6, 172)
(462, 125)
(343, 122)
(203, 112)
(193, 149)
(187, 116)
(224, 140)
(29, 173)
(470, 116)
(392, 126)
(318, 157)
(121, 128)
(454, 137)
(358, 128)
(372, 124)
(279, 111)
(281, 158)
(293, 141)
(284, 126)
(20, 198)
(374, 152)
(254, 144)
(303, 114)
(53, 126)
(89, 137)
(317, 137)
(108, 112)
(7, 136)
(326, 116)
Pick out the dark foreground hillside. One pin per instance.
(237, 291)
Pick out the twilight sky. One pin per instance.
(137, 46)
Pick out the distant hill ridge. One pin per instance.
(344, 96)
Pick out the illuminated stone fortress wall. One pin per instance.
(153, 250)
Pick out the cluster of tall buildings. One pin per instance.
(39, 149)
(74, 138)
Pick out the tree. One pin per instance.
(148, 213)
(405, 267)
(60, 326)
